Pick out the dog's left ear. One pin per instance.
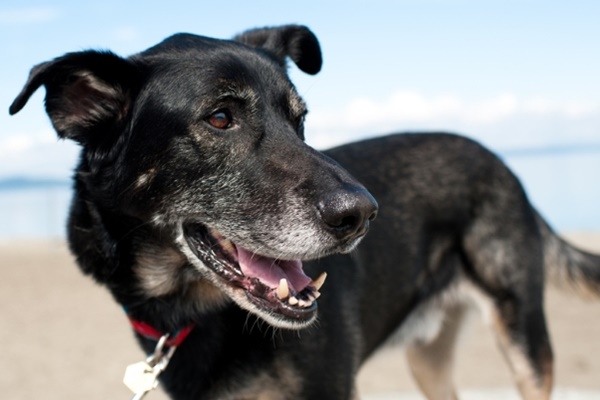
(294, 41)
(88, 94)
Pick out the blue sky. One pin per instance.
(511, 74)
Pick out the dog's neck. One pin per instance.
(151, 279)
(173, 339)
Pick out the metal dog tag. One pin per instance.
(140, 378)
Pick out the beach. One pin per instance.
(65, 338)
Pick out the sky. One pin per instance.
(519, 76)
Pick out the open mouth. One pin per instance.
(275, 286)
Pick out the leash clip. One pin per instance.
(142, 377)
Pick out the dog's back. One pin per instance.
(456, 227)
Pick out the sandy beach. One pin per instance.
(65, 338)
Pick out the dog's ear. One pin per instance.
(87, 93)
(294, 41)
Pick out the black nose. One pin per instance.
(347, 213)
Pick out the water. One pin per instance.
(564, 188)
(34, 212)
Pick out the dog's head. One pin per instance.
(200, 142)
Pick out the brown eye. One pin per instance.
(220, 119)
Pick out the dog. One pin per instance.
(199, 205)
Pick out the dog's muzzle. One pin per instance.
(274, 286)
(277, 289)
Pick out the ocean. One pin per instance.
(564, 188)
(34, 211)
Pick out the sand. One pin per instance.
(65, 338)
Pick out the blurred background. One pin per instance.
(520, 76)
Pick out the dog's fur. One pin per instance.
(193, 150)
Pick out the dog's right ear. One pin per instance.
(87, 93)
(294, 41)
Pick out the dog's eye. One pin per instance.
(220, 119)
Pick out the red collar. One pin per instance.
(150, 332)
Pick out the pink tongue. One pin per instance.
(270, 271)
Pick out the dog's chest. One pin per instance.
(275, 380)
(275, 384)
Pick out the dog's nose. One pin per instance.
(347, 213)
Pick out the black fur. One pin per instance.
(198, 133)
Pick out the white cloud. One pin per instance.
(28, 15)
(37, 154)
(501, 122)
(489, 111)
(506, 120)
(21, 143)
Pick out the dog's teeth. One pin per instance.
(283, 290)
(311, 293)
(318, 283)
(293, 301)
(312, 296)
(305, 303)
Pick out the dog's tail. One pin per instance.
(567, 266)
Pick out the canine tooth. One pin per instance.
(318, 283)
(283, 290)
(317, 294)
(293, 301)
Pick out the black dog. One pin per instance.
(196, 198)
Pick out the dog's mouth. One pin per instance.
(272, 285)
